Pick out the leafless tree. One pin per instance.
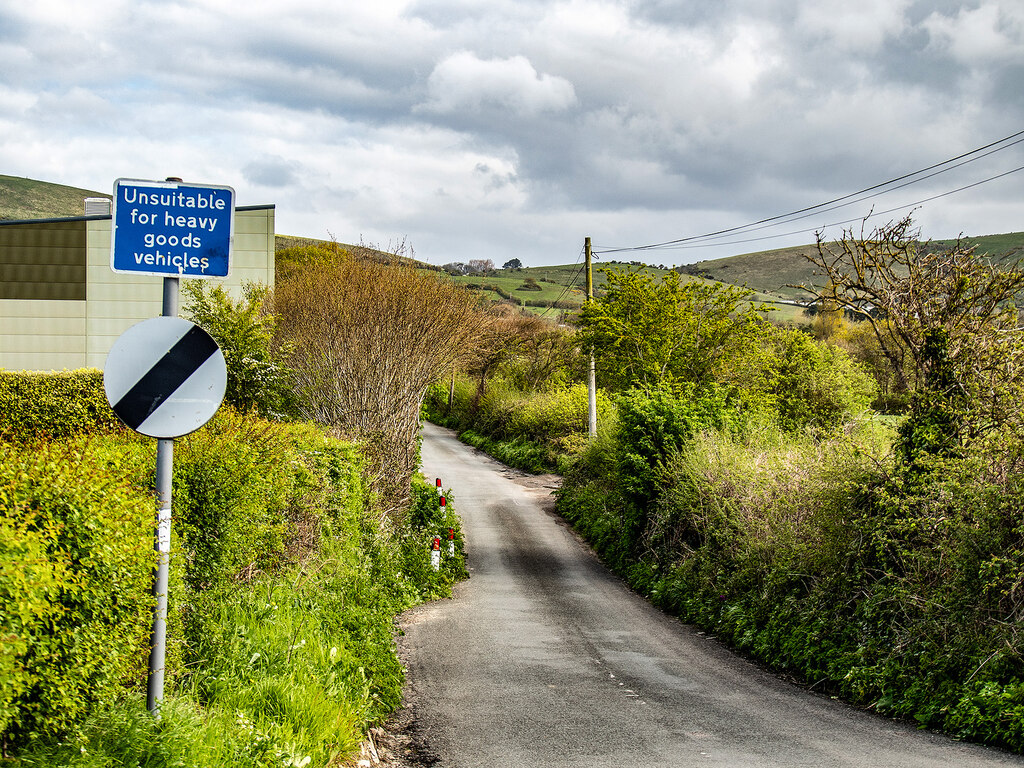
(505, 334)
(367, 339)
(480, 265)
(945, 318)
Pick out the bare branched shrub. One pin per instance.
(945, 320)
(367, 340)
(505, 334)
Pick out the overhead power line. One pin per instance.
(867, 193)
(873, 214)
(571, 284)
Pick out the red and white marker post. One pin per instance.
(435, 554)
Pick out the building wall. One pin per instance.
(61, 306)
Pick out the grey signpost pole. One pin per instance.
(170, 229)
(164, 475)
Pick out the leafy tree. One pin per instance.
(814, 384)
(512, 264)
(258, 378)
(647, 332)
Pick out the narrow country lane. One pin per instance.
(546, 659)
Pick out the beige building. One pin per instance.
(61, 306)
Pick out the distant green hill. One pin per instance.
(562, 287)
(769, 273)
(1003, 248)
(28, 199)
(542, 289)
(773, 272)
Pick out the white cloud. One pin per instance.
(464, 82)
(991, 31)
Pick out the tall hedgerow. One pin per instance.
(55, 404)
(76, 554)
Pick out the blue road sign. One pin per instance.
(172, 229)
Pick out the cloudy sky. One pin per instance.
(514, 128)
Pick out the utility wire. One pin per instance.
(571, 284)
(908, 178)
(873, 214)
(756, 228)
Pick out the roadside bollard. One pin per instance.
(435, 554)
(440, 490)
(451, 542)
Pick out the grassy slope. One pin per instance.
(1007, 247)
(554, 279)
(773, 272)
(28, 199)
(768, 272)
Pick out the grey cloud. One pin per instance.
(530, 115)
(273, 172)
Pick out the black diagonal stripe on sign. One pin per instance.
(170, 372)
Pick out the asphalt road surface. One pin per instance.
(544, 658)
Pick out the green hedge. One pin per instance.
(533, 431)
(284, 584)
(54, 404)
(897, 591)
(76, 552)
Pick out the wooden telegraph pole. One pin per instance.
(591, 373)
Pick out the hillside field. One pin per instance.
(771, 274)
(28, 199)
(775, 272)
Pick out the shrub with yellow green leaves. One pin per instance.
(55, 404)
(76, 552)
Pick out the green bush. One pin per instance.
(533, 431)
(817, 385)
(656, 423)
(258, 379)
(591, 499)
(233, 483)
(285, 583)
(76, 552)
(895, 589)
(29, 582)
(54, 404)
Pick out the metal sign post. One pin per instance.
(166, 377)
(161, 577)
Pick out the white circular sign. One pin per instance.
(165, 377)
